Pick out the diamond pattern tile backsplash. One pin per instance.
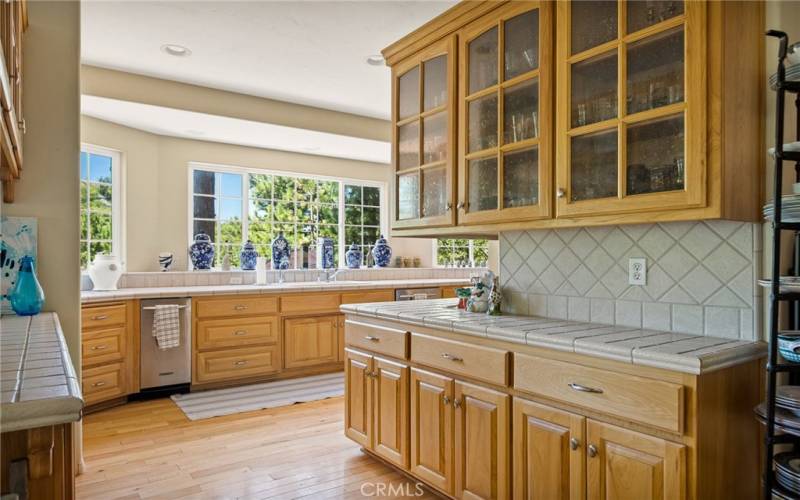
(701, 276)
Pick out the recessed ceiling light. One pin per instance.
(375, 60)
(175, 50)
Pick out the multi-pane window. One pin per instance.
(460, 253)
(362, 217)
(232, 206)
(99, 172)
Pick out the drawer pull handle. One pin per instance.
(240, 332)
(240, 307)
(454, 359)
(457, 404)
(592, 450)
(574, 443)
(99, 384)
(100, 317)
(372, 339)
(446, 400)
(241, 362)
(583, 388)
(99, 347)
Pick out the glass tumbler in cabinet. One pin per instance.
(631, 121)
(505, 115)
(423, 146)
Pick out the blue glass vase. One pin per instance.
(27, 297)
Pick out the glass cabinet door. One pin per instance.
(424, 96)
(631, 97)
(505, 115)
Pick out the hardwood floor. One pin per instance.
(151, 450)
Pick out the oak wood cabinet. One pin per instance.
(310, 341)
(581, 113)
(13, 23)
(469, 435)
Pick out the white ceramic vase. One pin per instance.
(105, 272)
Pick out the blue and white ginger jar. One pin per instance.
(280, 252)
(381, 252)
(325, 253)
(353, 257)
(248, 256)
(202, 252)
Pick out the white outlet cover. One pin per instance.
(637, 271)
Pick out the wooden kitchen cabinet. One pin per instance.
(628, 465)
(358, 397)
(423, 116)
(13, 23)
(505, 115)
(432, 450)
(310, 341)
(549, 452)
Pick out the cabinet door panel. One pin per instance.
(545, 465)
(310, 341)
(432, 429)
(628, 465)
(358, 397)
(482, 442)
(390, 411)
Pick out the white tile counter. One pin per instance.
(38, 385)
(272, 288)
(672, 351)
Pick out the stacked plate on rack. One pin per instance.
(785, 420)
(792, 75)
(788, 398)
(787, 472)
(791, 209)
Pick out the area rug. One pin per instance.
(215, 403)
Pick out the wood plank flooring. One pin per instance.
(151, 450)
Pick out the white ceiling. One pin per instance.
(191, 125)
(308, 52)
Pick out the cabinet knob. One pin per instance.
(460, 205)
(457, 404)
(574, 443)
(560, 193)
(372, 375)
(449, 206)
(592, 450)
(446, 400)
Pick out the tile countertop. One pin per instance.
(37, 379)
(672, 351)
(272, 288)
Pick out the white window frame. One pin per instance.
(117, 198)
(435, 244)
(246, 171)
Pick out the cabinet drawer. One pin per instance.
(237, 363)
(103, 382)
(479, 362)
(649, 401)
(100, 346)
(375, 338)
(364, 297)
(102, 316)
(310, 303)
(246, 306)
(235, 332)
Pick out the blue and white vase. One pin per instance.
(325, 253)
(248, 256)
(165, 260)
(202, 252)
(280, 252)
(382, 252)
(353, 257)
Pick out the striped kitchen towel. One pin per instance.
(167, 326)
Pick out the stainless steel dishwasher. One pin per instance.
(169, 370)
(417, 294)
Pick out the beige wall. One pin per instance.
(784, 16)
(48, 189)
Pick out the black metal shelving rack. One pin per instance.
(776, 294)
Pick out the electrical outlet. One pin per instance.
(236, 280)
(637, 271)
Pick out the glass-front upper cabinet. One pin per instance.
(630, 106)
(505, 115)
(424, 137)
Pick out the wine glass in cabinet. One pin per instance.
(423, 101)
(505, 115)
(630, 118)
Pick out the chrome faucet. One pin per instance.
(282, 266)
(331, 275)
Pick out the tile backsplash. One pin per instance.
(701, 276)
